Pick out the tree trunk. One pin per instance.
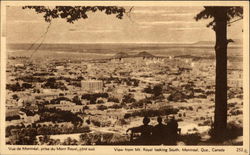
(220, 116)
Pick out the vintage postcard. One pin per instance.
(124, 77)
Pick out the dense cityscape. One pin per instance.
(75, 101)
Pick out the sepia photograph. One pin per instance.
(114, 75)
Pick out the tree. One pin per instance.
(128, 98)
(73, 13)
(15, 97)
(76, 100)
(222, 17)
(157, 90)
(113, 99)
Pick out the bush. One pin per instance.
(233, 104)
(235, 112)
(94, 96)
(127, 115)
(233, 131)
(205, 123)
(10, 118)
(102, 107)
(137, 105)
(190, 108)
(121, 122)
(128, 98)
(15, 97)
(70, 141)
(140, 103)
(113, 99)
(57, 115)
(14, 87)
(8, 129)
(51, 83)
(202, 118)
(103, 139)
(85, 107)
(100, 123)
(177, 96)
(179, 120)
(156, 90)
(115, 106)
(190, 139)
(59, 99)
(167, 110)
(100, 102)
(88, 121)
(27, 85)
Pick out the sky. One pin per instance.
(144, 24)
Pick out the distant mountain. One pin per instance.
(144, 54)
(204, 43)
(121, 55)
(235, 42)
(141, 54)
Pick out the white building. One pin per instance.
(66, 106)
(93, 86)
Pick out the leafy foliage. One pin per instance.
(113, 99)
(57, 115)
(73, 13)
(165, 110)
(93, 97)
(214, 11)
(10, 118)
(128, 98)
(156, 90)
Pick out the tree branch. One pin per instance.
(127, 13)
(234, 21)
(44, 36)
(39, 37)
(129, 10)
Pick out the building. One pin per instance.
(235, 78)
(236, 83)
(66, 106)
(93, 86)
(29, 119)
